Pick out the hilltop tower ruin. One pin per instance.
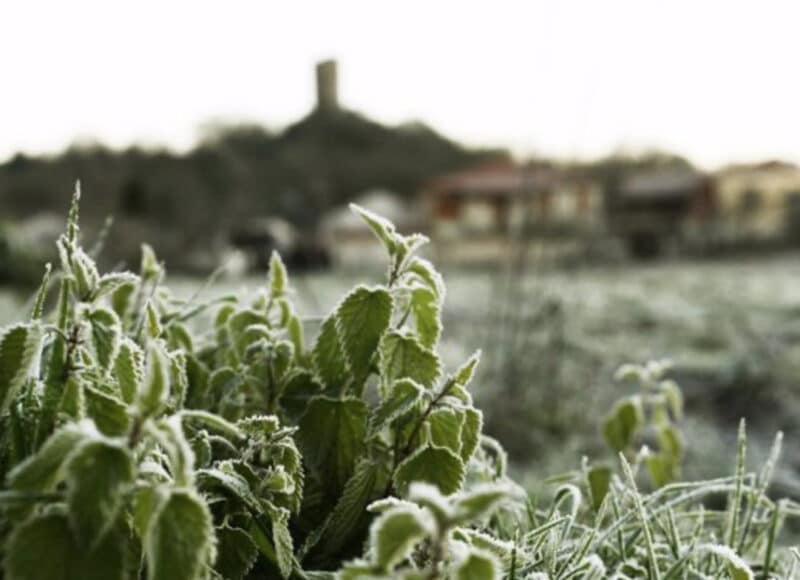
(327, 86)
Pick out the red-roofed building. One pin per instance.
(475, 214)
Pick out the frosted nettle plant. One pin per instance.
(654, 412)
(139, 439)
(137, 443)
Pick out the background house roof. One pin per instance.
(493, 180)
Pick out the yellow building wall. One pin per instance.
(755, 203)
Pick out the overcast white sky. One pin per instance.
(715, 80)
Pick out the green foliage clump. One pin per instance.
(655, 412)
(139, 443)
(145, 436)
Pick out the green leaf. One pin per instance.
(674, 396)
(402, 356)
(241, 326)
(213, 422)
(41, 549)
(620, 426)
(223, 382)
(463, 376)
(56, 366)
(179, 337)
(149, 267)
(500, 549)
(282, 540)
(381, 227)
(424, 271)
(670, 441)
(599, 480)
(445, 427)
(98, 475)
(41, 294)
(198, 374)
(278, 279)
(437, 466)
(261, 427)
(478, 565)
(122, 299)
(395, 533)
(328, 356)
(300, 388)
(407, 246)
(429, 497)
(108, 412)
(225, 477)
(294, 328)
(129, 369)
(284, 310)
(345, 519)
(170, 436)
(360, 570)
(201, 448)
(41, 472)
(331, 436)
(479, 502)
(73, 402)
(84, 272)
(155, 389)
(23, 414)
(44, 548)
(153, 322)
(236, 553)
(470, 433)
(223, 314)
(361, 320)
(20, 353)
(425, 309)
(402, 397)
(281, 357)
(146, 500)
(110, 283)
(180, 538)
(106, 335)
(662, 467)
(179, 382)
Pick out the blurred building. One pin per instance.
(481, 214)
(758, 203)
(654, 208)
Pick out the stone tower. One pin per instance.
(327, 86)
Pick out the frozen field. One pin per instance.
(551, 341)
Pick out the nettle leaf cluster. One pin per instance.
(650, 416)
(148, 436)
